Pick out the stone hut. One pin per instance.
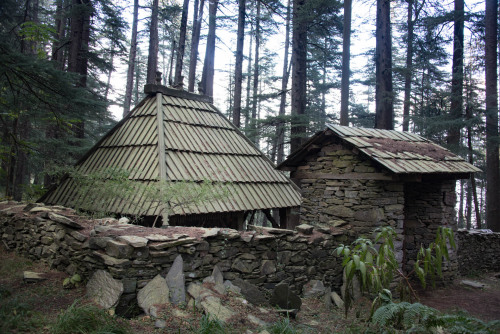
(358, 179)
(176, 136)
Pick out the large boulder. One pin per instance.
(154, 293)
(284, 298)
(176, 282)
(103, 289)
(251, 292)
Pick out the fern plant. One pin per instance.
(418, 318)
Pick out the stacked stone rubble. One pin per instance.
(478, 252)
(264, 257)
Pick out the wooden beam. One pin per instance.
(346, 176)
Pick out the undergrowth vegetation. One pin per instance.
(88, 319)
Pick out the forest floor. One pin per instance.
(35, 307)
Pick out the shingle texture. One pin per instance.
(399, 152)
(200, 144)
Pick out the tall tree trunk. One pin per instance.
(207, 78)
(461, 222)
(153, 45)
(60, 24)
(171, 66)
(178, 81)
(254, 137)
(412, 4)
(195, 40)
(299, 75)
(78, 54)
(346, 57)
(131, 61)
(384, 110)
(238, 66)
(111, 69)
(280, 135)
(249, 78)
(468, 214)
(492, 172)
(457, 86)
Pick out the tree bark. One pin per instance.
(456, 109)
(249, 77)
(284, 84)
(409, 60)
(299, 75)
(346, 56)
(384, 110)
(78, 54)
(131, 61)
(207, 78)
(492, 172)
(178, 81)
(195, 40)
(60, 23)
(153, 45)
(255, 91)
(238, 66)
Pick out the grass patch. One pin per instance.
(88, 319)
(12, 265)
(210, 325)
(283, 327)
(18, 316)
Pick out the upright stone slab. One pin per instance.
(285, 298)
(154, 293)
(176, 282)
(104, 289)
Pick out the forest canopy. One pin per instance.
(279, 70)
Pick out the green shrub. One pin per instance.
(88, 319)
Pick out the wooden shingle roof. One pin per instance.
(399, 152)
(199, 144)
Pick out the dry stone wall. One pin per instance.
(135, 254)
(429, 205)
(360, 200)
(478, 251)
(345, 190)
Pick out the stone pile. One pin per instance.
(478, 251)
(133, 255)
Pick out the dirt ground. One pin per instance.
(48, 298)
(481, 303)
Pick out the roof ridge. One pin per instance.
(152, 89)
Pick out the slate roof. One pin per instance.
(200, 144)
(399, 152)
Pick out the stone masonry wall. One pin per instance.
(359, 203)
(478, 251)
(135, 254)
(429, 205)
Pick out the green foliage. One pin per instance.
(72, 282)
(418, 318)
(282, 327)
(88, 319)
(17, 316)
(100, 189)
(376, 267)
(210, 325)
(430, 259)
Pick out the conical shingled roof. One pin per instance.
(199, 144)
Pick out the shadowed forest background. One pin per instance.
(65, 65)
